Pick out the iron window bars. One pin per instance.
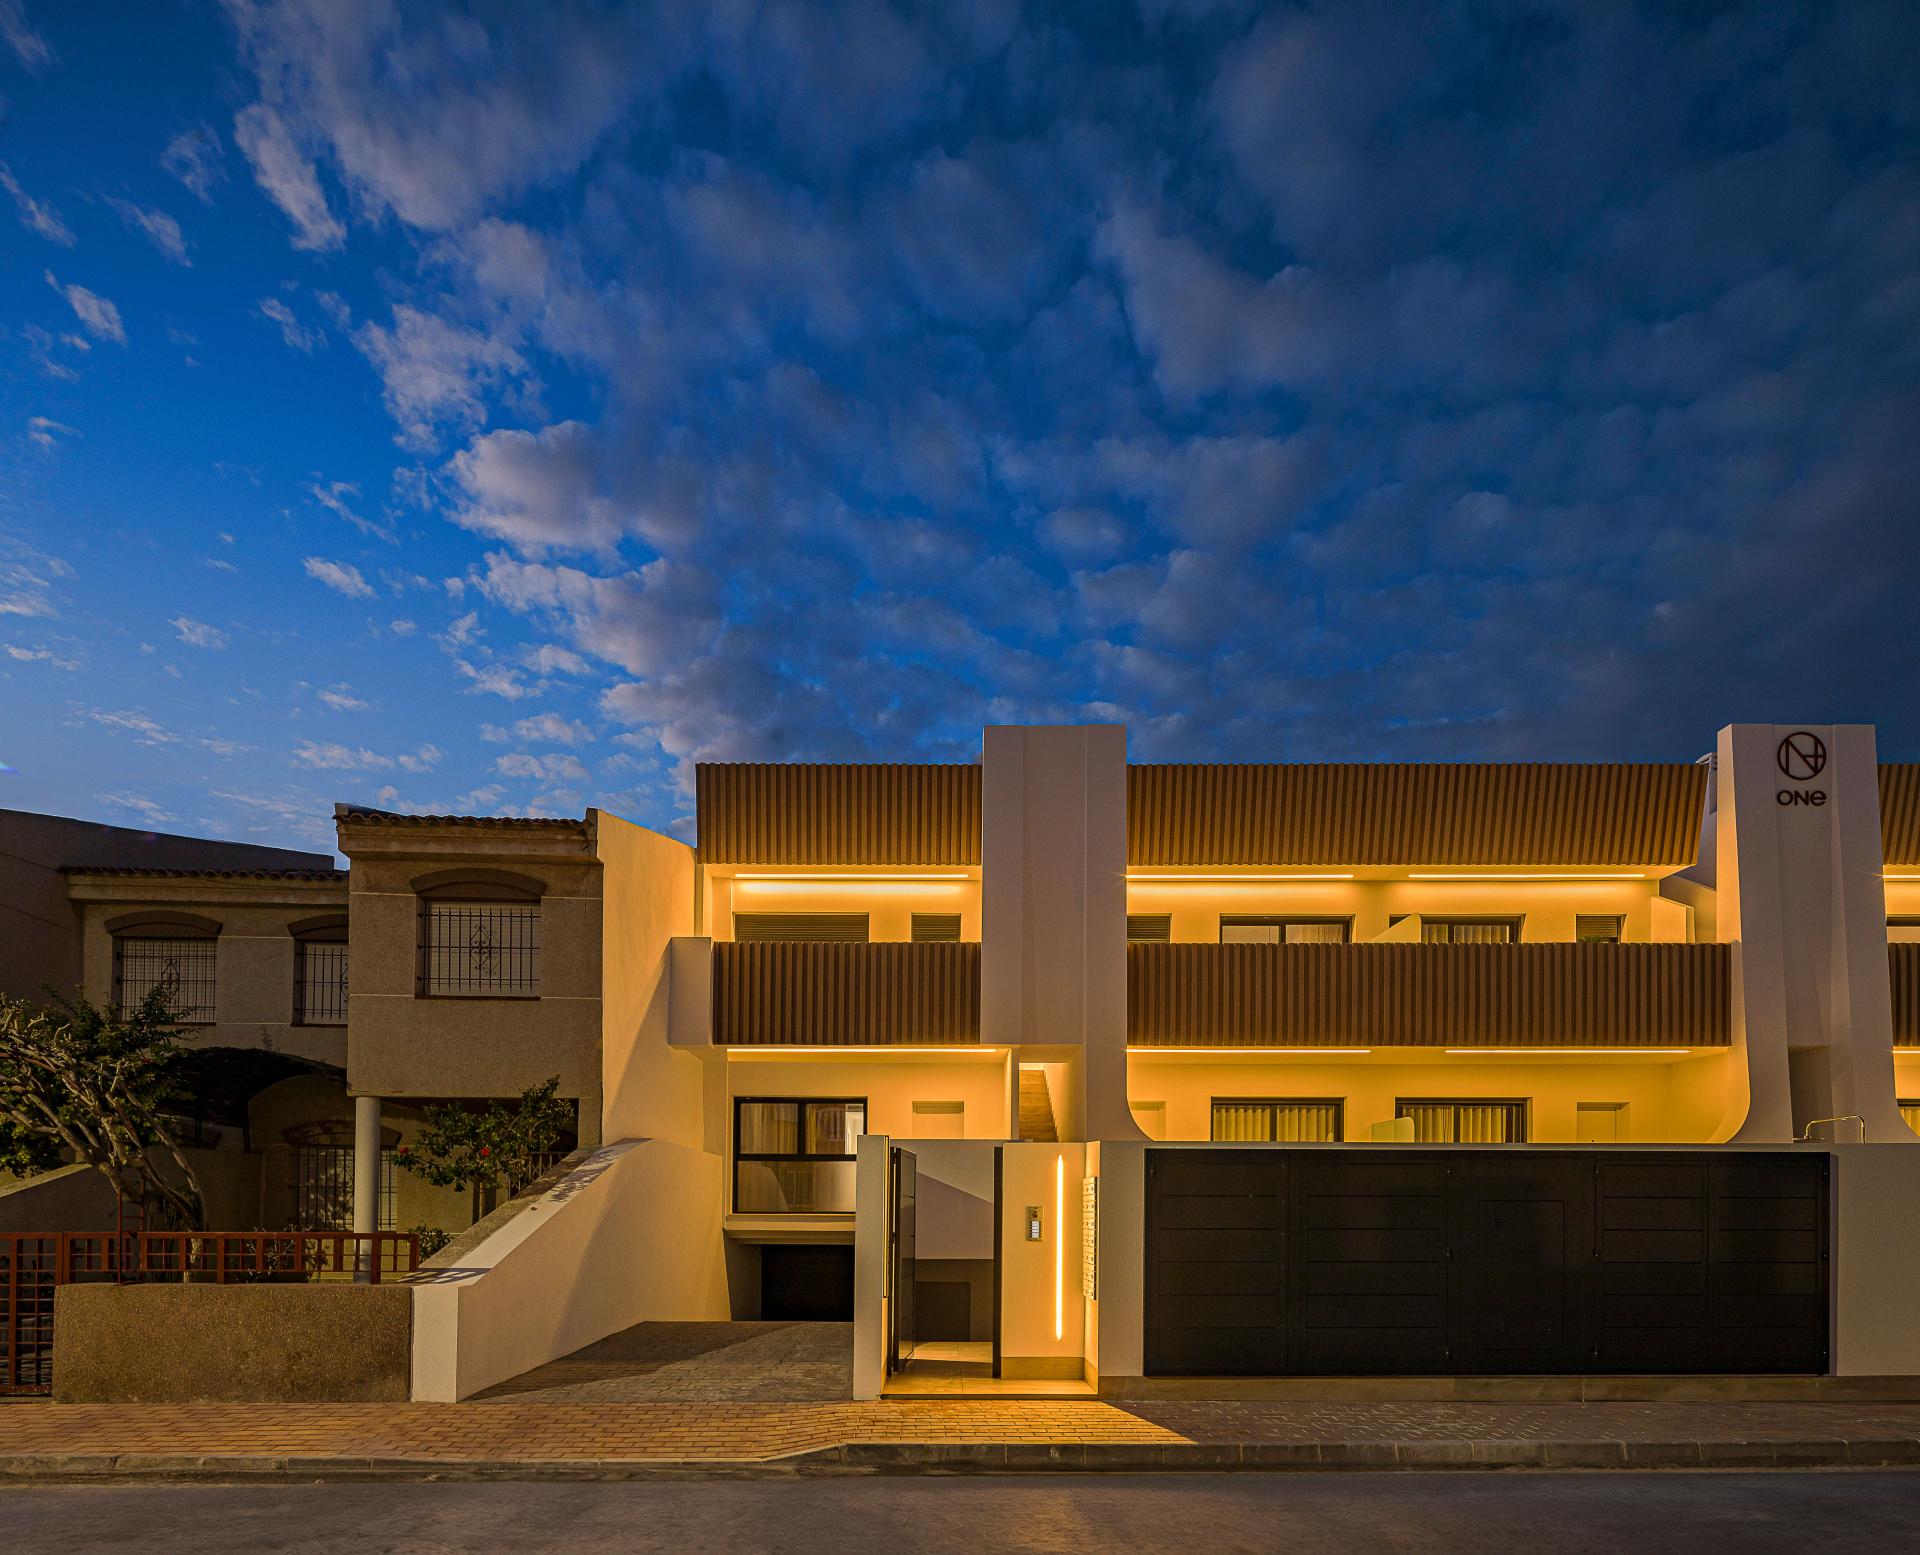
(320, 983)
(323, 1188)
(480, 950)
(795, 1155)
(182, 969)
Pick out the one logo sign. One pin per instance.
(1802, 756)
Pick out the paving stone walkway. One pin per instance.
(507, 1438)
(785, 1363)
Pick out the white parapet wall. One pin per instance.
(1876, 1261)
(630, 1235)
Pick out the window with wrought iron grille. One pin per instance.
(323, 1188)
(1282, 1120)
(182, 968)
(319, 982)
(480, 950)
(1498, 1121)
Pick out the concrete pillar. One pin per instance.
(1800, 896)
(366, 1163)
(1053, 913)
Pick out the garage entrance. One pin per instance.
(1328, 1262)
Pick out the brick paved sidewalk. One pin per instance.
(611, 1440)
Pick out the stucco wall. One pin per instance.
(69, 1198)
(890, 1085)
(889, 905)
(1029, 1176)
(178, 1344)
(1876, 1267)
(1677, 1102)
(631, 1235)
(404, 1045)
(254, 958)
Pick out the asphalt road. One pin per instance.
(1701, 1514)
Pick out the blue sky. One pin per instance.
(504, 407)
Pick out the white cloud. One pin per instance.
(47, 432)
(345, 758)
(434, 371)
(296, 334)
(39, 656)
(544, 728)
(157, 227)
(552, 659)
(35, 215)
(149, 810)
(495, 680)
(342, 700)
(194, 157)
(286, 175)
(402, 628)
(197, 634)
(552, 769)
(99, 317)
(29, 46)
(144, 729)
(333, 496)
(343, 577)
(28, 578)
(540, 491)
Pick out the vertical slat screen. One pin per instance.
(822, 994)
(1394, 995)
(815, 814)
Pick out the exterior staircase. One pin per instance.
(1036, 1107)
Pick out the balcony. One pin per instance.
(804, 993)
(1431, 996)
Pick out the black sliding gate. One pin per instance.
(1322, 1262)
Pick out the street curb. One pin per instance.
(875, 1458)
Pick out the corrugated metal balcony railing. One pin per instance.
(1401, 995)
(1903, 966)
(800, 993)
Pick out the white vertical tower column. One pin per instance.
(1800, 895)
(1053, 953)
(366, 1163)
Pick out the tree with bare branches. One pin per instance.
(97, 1084)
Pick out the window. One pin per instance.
(1594, 928)
(481, 950)
(1470, 931)
(795, 1156)
(320, 981)
(1289, 1120)
(939, 1120)
(1910, 1110)
(760, 926)
(1149, 928)
(1903, 931)
(181, 968)
(1600, 1123)
(935, 927)
(1497, 1122)
(323, 1188)
(1285, 931)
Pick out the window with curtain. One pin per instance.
(1491, 1122)
(181, 968)
(795, 1156)
(1285, 931)
(480, 950)
(320, 982)
(1470, 931)
(1283, 1120)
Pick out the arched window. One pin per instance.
(176, 953)
(319, 971)
(479, 935)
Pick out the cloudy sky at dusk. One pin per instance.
(503, 408)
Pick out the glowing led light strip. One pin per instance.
(1059, 1247)
(1906, 879)
(1142, 1047)
(1487, 875)
(1534, 1052)
(870, 878)
(1212, 879)
(745, 1050)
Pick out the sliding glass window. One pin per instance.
(794, 1156)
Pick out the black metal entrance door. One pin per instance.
(905, 1184)
(1316, 1262)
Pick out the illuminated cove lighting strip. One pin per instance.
(868, 879)
(753, 1050)
(1904, 879)
(1136, 879)
(1317, 1052)
(1579, 1052)
(1418, 874)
